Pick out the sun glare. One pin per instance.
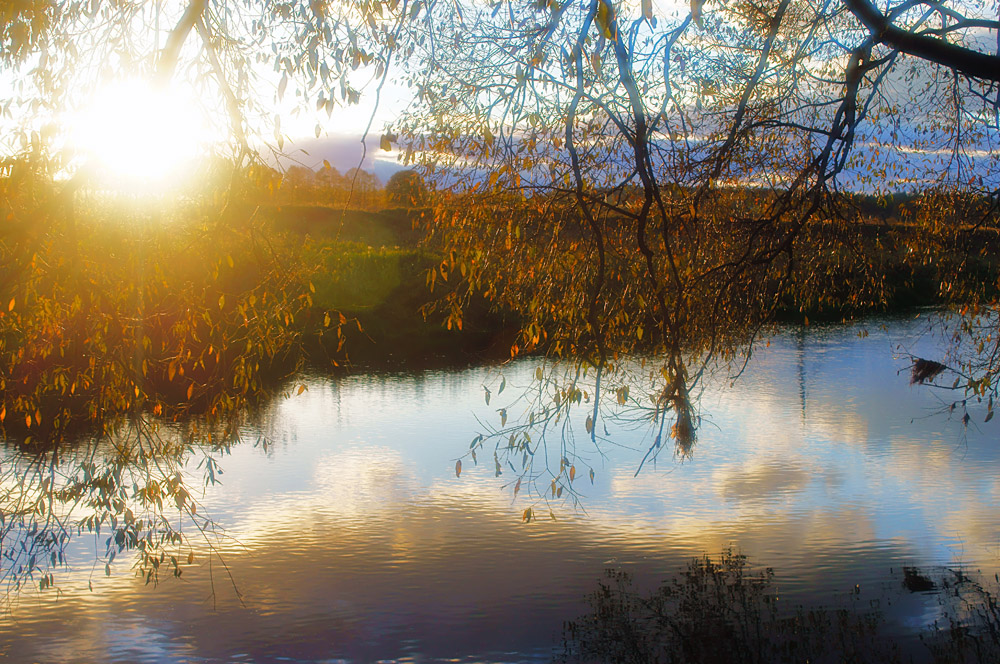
(137, 137)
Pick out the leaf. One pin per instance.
(989, 416)
(590, 424)
(282, 85)
(385, 143)
(503, 417)
(605, 16)
(487, 396)
(302, 388)
(572, 473)
(591, 475)
(503, 384)
(458, 468)
(528, 515)
(517, 487)
(190, 390)
(10, 307)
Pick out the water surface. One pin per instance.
(350, 538)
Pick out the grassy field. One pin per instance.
(372, 268)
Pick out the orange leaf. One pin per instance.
(458, 468)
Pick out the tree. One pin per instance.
(365, 188)
(406, 189)
(668, 182)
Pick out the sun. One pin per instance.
(135, 136)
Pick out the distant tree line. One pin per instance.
(354, 188)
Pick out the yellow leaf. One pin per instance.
(385, 143)
(572, 473)
(229, 259)
(190, 390)
(605, 16)
(302, 388)
(10, 307)
(326, 320)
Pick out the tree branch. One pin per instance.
(966, 61)
(171, 51)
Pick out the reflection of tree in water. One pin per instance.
(537, 433)
(133, 491)
(722, 610)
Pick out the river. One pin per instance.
(350, 538)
